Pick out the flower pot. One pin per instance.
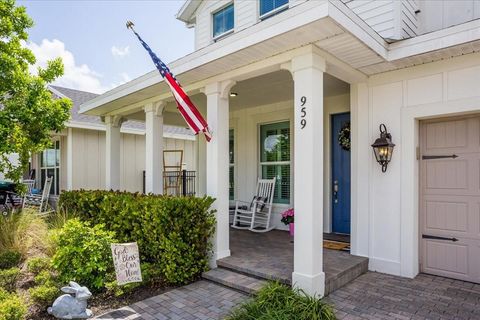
(291, 228)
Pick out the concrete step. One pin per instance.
(235, 280)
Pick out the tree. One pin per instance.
(28, 112)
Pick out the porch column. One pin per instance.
(217, 165)
(112, 154)
(308, 272)
(154, 147)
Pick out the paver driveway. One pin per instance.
(381, 296)
(370, 296)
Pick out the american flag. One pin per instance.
(186, 107)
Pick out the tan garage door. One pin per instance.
(450, 198)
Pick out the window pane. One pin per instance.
(223, 20)
(231, 147)
(231, 189)
(275, 142)
(269, 5)
(282, 184)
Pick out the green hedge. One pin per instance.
(171, 232)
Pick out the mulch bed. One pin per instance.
(103, 303)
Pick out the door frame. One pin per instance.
(331, 146)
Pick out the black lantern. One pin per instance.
(383, 148)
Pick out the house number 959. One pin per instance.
(303, 122)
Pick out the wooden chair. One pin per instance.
(37, 201)
(255, 215)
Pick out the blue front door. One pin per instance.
(340, 173)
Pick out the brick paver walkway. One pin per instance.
(380, 296)
(200, 300)
(371, 296)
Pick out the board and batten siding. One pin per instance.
(387, 204)
(89, 159)
(246, 15)
(437, 14)
(246, 125)
(392, 19)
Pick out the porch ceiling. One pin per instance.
(324, 25)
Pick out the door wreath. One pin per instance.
(344, 136)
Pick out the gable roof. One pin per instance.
(79, 97)
(187, 10)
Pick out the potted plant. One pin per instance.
(288, 218)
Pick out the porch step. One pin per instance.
(234, 280)
(252, 271)
(335, 279)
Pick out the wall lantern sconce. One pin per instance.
(383, 148)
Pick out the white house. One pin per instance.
(76, 159)
(303, 70)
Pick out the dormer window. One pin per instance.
(270, 8)
(223, 22)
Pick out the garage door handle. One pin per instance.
(426, 236)
(452, 156)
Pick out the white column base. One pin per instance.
(312, 285)
(217, 256)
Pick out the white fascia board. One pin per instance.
(57, 93)
(449, 37)
(187, 10)
(101, 127)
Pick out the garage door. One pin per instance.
(450, 198)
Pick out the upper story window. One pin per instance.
(271, 7)
(223, 21)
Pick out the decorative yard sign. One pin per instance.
(127, 262)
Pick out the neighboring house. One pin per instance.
(13, 158)
(279, 80)
(77, 157)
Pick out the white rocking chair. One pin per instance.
(255, 215)
(37, 201)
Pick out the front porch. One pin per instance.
(270, 256)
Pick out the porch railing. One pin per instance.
(177, 183)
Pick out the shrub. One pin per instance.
(8, 278)
(11, 306)
(38, 264)
(44, 295)
(172, 232)
(45, 277)
(10, 259)
(83, 254)
(279, 302)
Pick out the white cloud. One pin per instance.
(80, 77)
(120, 52)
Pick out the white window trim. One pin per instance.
(226, 33)
(274, 11)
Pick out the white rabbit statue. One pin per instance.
(68, 307)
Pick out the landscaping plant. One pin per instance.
(8, 279)
(83, 254)
(10, 259)
(172, 232)
(279, 302)
(12, 306)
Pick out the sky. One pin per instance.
(98, 51)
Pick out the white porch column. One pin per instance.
(217, 165)
(69, 159)
(308, 272)
(112, 154)
(154, 147)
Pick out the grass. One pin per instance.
(278, 302)
(25, 233)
